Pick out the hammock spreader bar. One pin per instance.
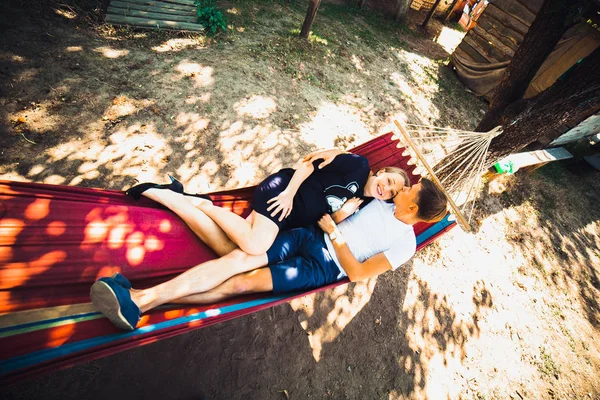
(55, 241)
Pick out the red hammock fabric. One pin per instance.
(55, 241)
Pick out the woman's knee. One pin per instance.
(237, 255)
(255, 246)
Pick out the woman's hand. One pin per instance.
(326, 155)
(281, 203)
(327, 225)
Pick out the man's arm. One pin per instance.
(346, 210)
(326, 155)
(355, 270)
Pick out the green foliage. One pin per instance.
(547, 366)
(210, 16)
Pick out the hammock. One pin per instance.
(55, 241)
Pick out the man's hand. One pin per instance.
(351, 206)
(282, 203)
(327, 225)
(346, 210)
(326, 155)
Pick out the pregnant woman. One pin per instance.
(287, 199)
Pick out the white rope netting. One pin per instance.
(454, 159)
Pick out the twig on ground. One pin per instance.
(112, 86)
(30, 141)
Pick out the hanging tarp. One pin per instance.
(486, 50)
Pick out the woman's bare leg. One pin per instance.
(204, 227)
(199, 279)
(253, 235)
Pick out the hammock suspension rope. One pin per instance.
(458, 156)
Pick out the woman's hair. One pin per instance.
(396, 170)
(432, 202)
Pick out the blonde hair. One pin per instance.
(399, 171)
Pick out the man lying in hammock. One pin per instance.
(376, 239)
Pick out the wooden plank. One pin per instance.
(526, 159)
(483, 48)
(153, 23)
(150, 15)
(494, 41)
(142, 7)
(506, 19)
(508, 36)
(472, 53)
(463, 54)
(161, 4)
(517, 11)
(533, 5)
(182, 2)
(594, 161)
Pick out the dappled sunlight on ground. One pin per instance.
(40, 114)
(202, 76)
(438, 328)
(514, 319)
(341, 304)
(418, 84)
(258, 107)
(109, 52)
(332, 121)
(137, 150)
(178, 44)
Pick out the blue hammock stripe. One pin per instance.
(41, 356)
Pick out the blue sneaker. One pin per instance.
(114, 301)
(121, 280)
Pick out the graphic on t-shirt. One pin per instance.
(337, 195)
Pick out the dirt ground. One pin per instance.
(510, 311)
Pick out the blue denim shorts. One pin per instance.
(299, 260)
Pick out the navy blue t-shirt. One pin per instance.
(323, 192)
(327, 189)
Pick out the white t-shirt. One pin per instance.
(374, 230)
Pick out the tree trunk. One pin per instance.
(431, 13)
(449, 10)
(361, 3)
(549, 114)
(401, 9)
(551, 22)
(311, 13)
(552, 112)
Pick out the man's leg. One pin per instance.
(256, 281)
(198, 279)
(204, 227)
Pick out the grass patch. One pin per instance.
(547, 366)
